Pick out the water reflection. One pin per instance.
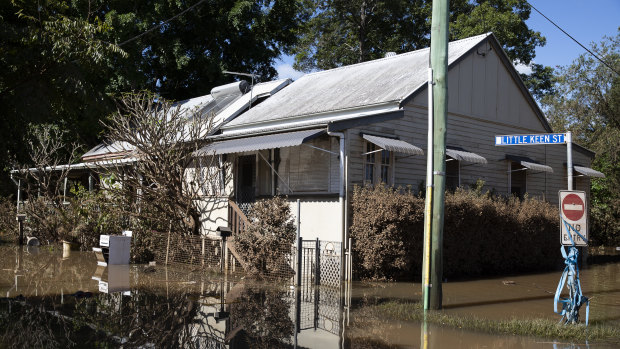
(55, 302)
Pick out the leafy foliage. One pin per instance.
(587, 103)
(346, 32)
(62, 60)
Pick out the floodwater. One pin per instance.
(48, 300)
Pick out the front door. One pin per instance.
(246, 183)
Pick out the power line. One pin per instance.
(575, 40)
(162, 23)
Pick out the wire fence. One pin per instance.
(197, 250)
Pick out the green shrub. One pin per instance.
(483, 234)
(265, 244)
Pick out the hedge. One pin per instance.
(483, 234)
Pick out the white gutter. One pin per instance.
(81, 165)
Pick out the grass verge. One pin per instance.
(543, 328)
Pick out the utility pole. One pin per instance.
(439, 66)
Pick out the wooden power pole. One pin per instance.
(439, 68)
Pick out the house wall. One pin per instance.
(484, 101)
(320, 217)
(214, 214)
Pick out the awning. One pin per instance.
(279, 140)
(395, 145)
(462, 155)
(529, 163)
(586, 171)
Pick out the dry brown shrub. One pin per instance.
(8, 223)
(266, 243)
(483, 234)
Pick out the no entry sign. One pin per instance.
(574, 217)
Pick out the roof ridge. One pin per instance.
(476, 37)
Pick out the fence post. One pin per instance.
(203, 252)
(317, 259)
(299, 252)
(350, 261)
(168, 244)
(317, 282)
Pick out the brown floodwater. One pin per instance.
(53, 300)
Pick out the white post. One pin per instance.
(428, 205)
(298, 221)
(569, 159)
(429, 144)
(64, 192)
(19, 192)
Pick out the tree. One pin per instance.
(345, 32)
(64, 60)
(539, 81)
(53, 62)
(50, 216)
(587, 103)
(167, 180)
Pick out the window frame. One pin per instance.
(376, 153)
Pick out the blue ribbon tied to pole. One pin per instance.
(570, 278)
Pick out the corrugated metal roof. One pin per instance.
(390, 79)
(462, 155)
(395, 145)
(279, 140)
(119, 148)
(590, 172)
(229, 103)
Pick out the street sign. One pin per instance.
(574, 217)
(545, 138)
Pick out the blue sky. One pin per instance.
(586, 21)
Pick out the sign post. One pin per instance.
(573, 225)
(574, 218)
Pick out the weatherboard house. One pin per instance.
(366, 123)
(314, 139)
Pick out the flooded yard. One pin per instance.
(51, 300)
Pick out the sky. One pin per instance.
(585, 20)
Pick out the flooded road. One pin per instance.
(49, 300)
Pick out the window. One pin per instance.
(377, 165)
(369, 163)
(385, 166)
(453, 174)
(518, 179)
(306, 169)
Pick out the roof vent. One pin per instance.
(390, 54)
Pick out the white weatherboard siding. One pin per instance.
(214, 214)
(320, 218)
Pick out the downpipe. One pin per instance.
(341, 193)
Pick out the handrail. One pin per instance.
(237, 220)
